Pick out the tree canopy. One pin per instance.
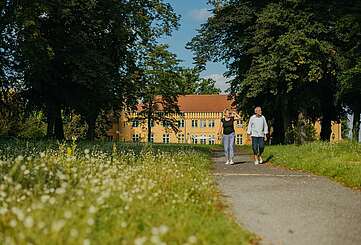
(80, 54)
(284, 55)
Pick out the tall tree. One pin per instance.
(160, 88)
(348, 29)
(84, 54)
(194, 84)
(281, 55)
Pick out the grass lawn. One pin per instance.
(341, 162)
(111, 194)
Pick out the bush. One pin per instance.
(34, 127)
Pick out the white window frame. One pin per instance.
(212, 123)
(239, 139)
(202, 123)
(194, 123)
(166, 138)
(135, 138)
(181, 123)
(135, 123)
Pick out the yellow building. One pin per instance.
(198, 123)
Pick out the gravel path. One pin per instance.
(286, 207)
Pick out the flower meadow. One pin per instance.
(106, 193)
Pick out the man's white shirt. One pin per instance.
(257, 126)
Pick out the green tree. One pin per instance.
(83, 54)
(350, 94)
(161, 87)
(348, 29)
(194, 84)
(282, 55)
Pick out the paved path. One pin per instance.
(286, 207)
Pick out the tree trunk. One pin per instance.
(281, 122)
(149, 118)
(58, 125)
(278, 133)
(356, 125)
(325, 129)
(149, 128)
(91, 120)
(51, 122)
(55, 127)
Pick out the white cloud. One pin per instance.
(200, 14)
(221, 81)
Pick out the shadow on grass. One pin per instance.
(269, 158)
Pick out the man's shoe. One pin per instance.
(256, 162)
(231, 162)
(227, 163)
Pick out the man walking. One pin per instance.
(258, 130)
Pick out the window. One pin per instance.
(203, 139)
(239, 139)
(181, 123)
(211, 140)
(181, 138)
(239, 124)
(165, 138)
(203, 123)
(135, 123)
(152, 138)
(211, 123)
(166, 124)
(136, 138)
(194, 123)
(194, 139)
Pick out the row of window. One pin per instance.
(202, 139)
(181, 123)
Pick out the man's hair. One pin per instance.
(257, 107)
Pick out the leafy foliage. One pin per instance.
(284, 55)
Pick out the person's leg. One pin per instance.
(226, 147)
(231, 147)
(255, 150)
(261, 149)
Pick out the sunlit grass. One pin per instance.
(341, 162)
(110, 194)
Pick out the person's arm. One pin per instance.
(219, 132)
(265, 128)
(236, 116)
(249, 127)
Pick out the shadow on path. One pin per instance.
(286, 207)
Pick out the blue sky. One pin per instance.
(193, 14)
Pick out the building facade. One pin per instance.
(198, 123)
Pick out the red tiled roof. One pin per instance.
(203, 103)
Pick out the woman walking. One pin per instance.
(227, 126)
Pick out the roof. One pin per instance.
(203, 103)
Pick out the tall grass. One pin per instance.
(110, 194)
(341, 162)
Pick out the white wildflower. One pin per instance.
(90, 221)
(140, 241)
(57, 225)
(67, 214)
(192, 239)
(28, 222)
(86, 242)
(74, 232)
(13, 223)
